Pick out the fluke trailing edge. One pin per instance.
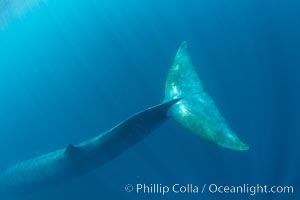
(185, 101)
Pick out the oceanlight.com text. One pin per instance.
(248, 189)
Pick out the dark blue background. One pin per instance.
(72, 69)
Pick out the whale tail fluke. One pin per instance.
(196, 111)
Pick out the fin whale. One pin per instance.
(185, 101)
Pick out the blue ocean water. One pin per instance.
(72, 69)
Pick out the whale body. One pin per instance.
(185, 101)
